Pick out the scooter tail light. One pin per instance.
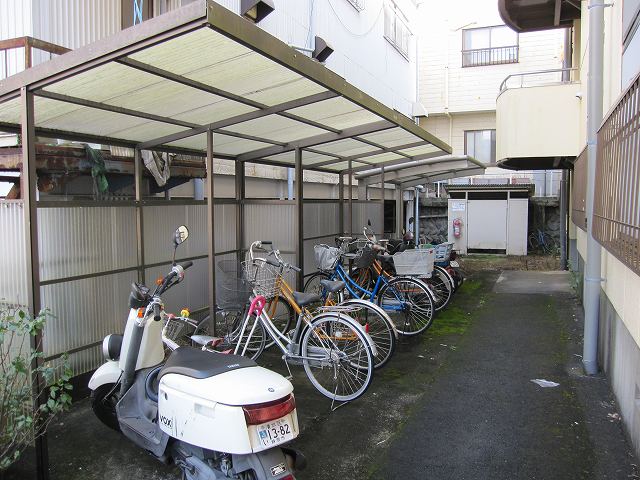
(265, 412)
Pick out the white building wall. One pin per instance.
(444, 84)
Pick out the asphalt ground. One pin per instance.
(455, 403)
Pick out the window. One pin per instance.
(481, 145)
(489, 46)
(396, 30)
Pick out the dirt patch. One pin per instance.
(479, 263)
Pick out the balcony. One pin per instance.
(538, 120)
(490, 56)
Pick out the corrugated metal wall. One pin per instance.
(13, 274)
(321, 225)
(15, 21)
(364, 211)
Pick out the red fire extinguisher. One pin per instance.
(457, 226)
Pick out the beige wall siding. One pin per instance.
(443, 83)
(451, 129)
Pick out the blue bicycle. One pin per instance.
(407, 300)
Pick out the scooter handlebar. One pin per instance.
(186, 265)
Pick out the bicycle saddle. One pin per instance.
(304, 299)
(332, 286)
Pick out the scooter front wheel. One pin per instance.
(337, 357)
(103, 403)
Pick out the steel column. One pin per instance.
(211, 243)
(382, 203)
(563, 220)
(137, 163)
(28, 193)
(350, 200)
(240, 195)
(399, 212)
(300, 217)
(341, 200)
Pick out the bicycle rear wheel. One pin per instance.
(441, 287)
(379, 327)
(281, 314)
(408, 303)
(337, 357)
(251, 345)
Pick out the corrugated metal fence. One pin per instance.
(579, 191)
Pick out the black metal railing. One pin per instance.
(490, 56)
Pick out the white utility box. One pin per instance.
(489, 218)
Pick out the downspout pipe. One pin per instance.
(566, 77)
(592, 273)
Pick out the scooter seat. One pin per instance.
(332, 286)
(195, 363)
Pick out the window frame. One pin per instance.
(392, 8)
(489, 49)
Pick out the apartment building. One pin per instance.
(465, 54)
(565, 123)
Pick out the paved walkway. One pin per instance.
(455, 403)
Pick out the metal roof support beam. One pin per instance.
(446, 175)
(434, 166)
(245, 117)
(391, 163)
(375, 152)
(211, 242)
(28, 193)
(316, 140)
(300, 218)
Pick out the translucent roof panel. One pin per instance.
(308, 158)
(336, 113)
(338, 167)
(384, 157)
(276, 127)
(421, 150)
(392, 138)
(222, 144)
(10, 111)
(346, 147)
(220, 62)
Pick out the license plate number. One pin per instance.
(454, 264)
(274, 433)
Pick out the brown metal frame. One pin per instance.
(579, 191)
(616, 215)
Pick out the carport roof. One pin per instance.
(414, 173)
(163, 84)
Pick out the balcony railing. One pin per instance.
(490, 56)
(579, 191)
(616, 211)
(17, 54)
(539, 78)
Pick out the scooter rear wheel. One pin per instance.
(103, 404)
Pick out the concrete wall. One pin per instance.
(539, 121)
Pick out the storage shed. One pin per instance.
(489, 218)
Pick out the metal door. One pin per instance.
(487, 224)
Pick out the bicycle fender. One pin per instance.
(377, 308)
(353, 323)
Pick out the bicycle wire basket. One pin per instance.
(326, 257)
(418, 262)
(365, 258)
(262, 276)
(232, 288)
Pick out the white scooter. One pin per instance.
(216, 416)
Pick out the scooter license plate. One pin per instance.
(454, 264)
(275, 433)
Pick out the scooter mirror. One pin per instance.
(411, 220)
(182, 233)
(369, 222)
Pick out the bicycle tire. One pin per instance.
(416, 302)
(450, 277)
(534, 242)
(379, 327)
(440, 288)
(312, 285)
(282, 318)
(337, 357)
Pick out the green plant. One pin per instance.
(22, 418)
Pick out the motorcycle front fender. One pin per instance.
(108, 373)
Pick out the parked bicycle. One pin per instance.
(542, 242)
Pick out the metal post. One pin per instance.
(341, 200)
(350, 200)
(416, 216)
(28, 193)
(240, 194)
(382, 202)
(563, 221)
(137, 165)
(592, 274)
(211, 243)
(399, 211)
(300, 218)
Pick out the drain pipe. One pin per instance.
(592, 274)
(566, 77)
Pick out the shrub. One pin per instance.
(21, 422)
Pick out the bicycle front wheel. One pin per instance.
(337, 357)
(408, 303)
(379, 327)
